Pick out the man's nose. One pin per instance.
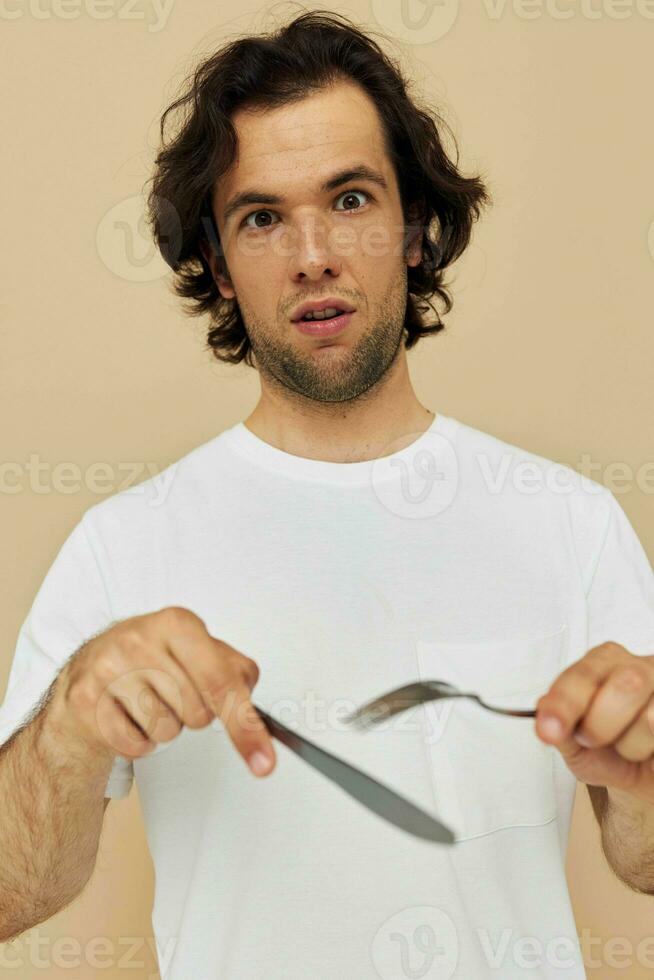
(314, 249)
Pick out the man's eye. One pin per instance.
(254, 214)
(349, 193)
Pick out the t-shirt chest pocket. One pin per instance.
(490, 770)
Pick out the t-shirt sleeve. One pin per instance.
(620, 594)
(70, 607)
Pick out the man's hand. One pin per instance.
(142, 680)
(606, 699)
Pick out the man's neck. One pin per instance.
(341, 440)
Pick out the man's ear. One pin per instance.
(218, 270)
(414, 233)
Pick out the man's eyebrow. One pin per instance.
(358, 172)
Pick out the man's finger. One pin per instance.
(247, 730)
(569, 698)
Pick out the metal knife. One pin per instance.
(374, 795)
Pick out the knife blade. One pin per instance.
(374, 795)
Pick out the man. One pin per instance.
(342, 540)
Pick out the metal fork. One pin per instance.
(400, 698)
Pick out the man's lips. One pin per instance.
(321, 304)
(324, 328)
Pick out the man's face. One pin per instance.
(313, 243)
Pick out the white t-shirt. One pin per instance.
(459, 557)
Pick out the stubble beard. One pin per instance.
(340, 372)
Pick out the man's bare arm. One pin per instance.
(54, 770)
(627, 827)
(51, 818)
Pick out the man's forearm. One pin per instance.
(627, 829)
(52, 793)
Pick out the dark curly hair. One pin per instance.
(312, 51)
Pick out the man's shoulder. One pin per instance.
(166, 489)
(547, 492)
(496, 458)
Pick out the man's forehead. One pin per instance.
(307, 166)
(341, 110)
(304, 142)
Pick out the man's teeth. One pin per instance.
(321, 314)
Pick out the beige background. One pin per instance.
(549, 345)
